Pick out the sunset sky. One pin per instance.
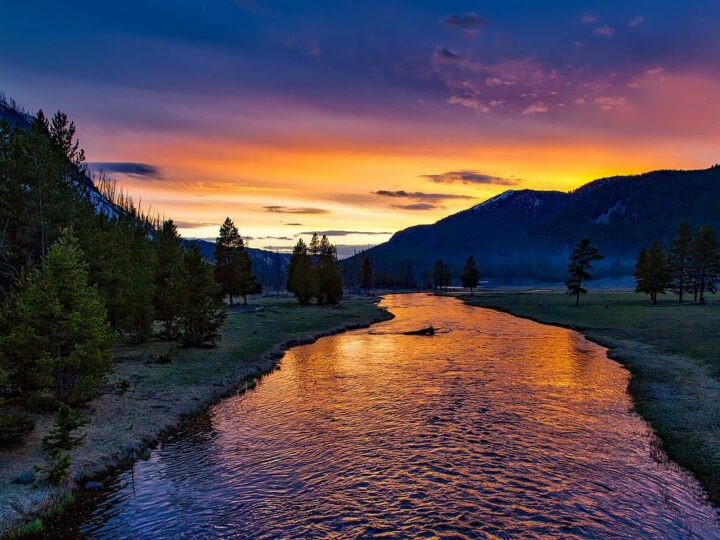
(363, 118)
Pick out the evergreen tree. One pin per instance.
(328, 274)
(314, 248)
(470, 276)
(300, 279)
(680, 259)
(408, 279)
(59, 441)
(122, 264)
(366, 274)
(61, 434)
(233, 265)
(55, 331)
(441, 275)
(652, 272)
(201, 314)
(705, 261)
(581, 260)
(169, 253)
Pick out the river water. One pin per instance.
(495, 426)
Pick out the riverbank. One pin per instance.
(145, 399)
(672, 352)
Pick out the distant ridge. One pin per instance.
(527, 234)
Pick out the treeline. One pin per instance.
(440, 278)
(690, 266)
(81, 265)
(314, 272)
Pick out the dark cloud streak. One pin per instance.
(419, 195)
(415, 206)
(471, 177)
(287, 210)
(126, 167)
(342, 233)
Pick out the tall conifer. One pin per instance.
(581, 260)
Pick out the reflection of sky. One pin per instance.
(366, 116)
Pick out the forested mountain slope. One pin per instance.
(528, 233)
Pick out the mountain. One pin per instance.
(270, 268)
(528, 234)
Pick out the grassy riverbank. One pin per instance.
(144, 398)
(672, 352)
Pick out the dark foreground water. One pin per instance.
(497, 426)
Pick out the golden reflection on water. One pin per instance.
(494, 426)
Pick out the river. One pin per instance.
(495, 426)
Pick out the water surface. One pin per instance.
(496, 426)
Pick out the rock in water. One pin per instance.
(93, 485)
(429, 331)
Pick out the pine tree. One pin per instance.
(328, 274)
(61, 434)
(301, 279)
(247, 282)
(652, 272)
(705, 261)
(55, 331)
(680, 259)
(366, 274)
(201, 314)
(314, 247)
(233, 265)
(470, 276)
(581, 260)
(169, 253)
(59, 441)
(441, 275)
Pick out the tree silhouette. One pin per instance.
(233, 265)
(300, 278)
(470, 276)
(680, 259)
(705, 261)
(581, 260)
(328, 273)
(366, 274)
(652, 272)
(441, 275)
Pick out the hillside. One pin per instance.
(528, 234)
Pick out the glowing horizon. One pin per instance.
(288, 120)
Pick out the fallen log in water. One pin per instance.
(429, 331)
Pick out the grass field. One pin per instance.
(671, 350)
(144, 398)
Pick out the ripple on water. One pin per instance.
(498, 426)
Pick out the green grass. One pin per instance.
(672, 352)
